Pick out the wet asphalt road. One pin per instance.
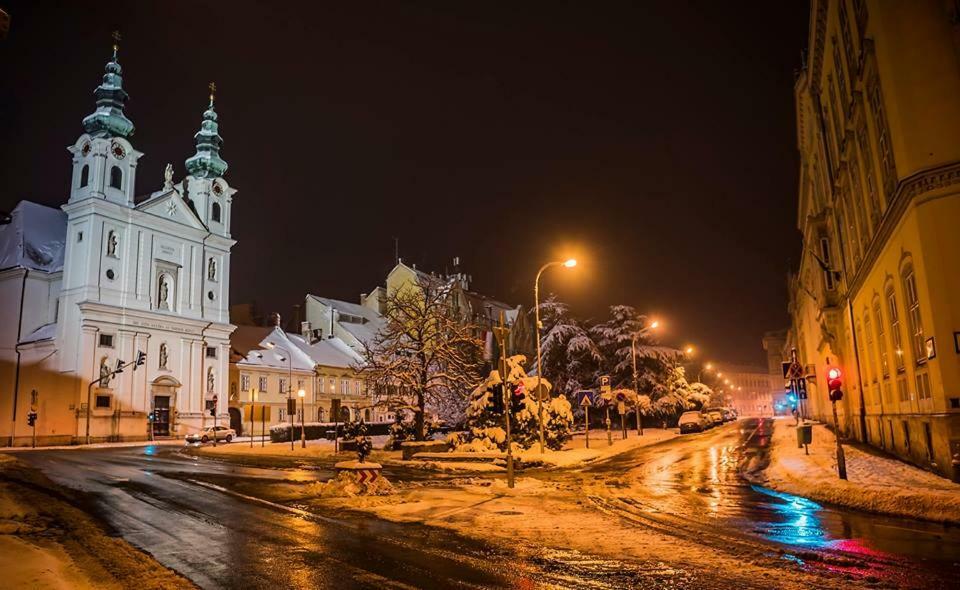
(694, 486)
(151, 497)
(174, 507)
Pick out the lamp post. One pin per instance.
(633, 354)
(303, 430)
(272, 346)
(570, 263)
(253, 409)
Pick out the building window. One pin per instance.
(282, 412)
(868, 328)
(884, 148)
(829, 280)
(895, 328)
(116, 177)
(215, 214)
(838, 66)
(358, 387)
(881, 339)
(211, 352)
(887, 392)
(102, 401)
(332, 384)
(913, 315)
(321, 414)
(262, 385)
(84, 176)
(847, 40)
(902, 389)
(923, 385)
(344, 387)
(300, 384)
(106, 340)
(245, 382)
(284, 386)
(861, 350)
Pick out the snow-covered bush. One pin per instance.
(486, 429)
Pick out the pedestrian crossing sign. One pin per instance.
(586, 399)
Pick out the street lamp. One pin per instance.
(633, 353)
(569, 263)
(303, 430)
(289, 360)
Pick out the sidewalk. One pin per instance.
(106, 445)
(876, 483)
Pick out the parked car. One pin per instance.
(716, 416)
(726, 414)
(222, 433)
(693, 421)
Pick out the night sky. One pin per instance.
(655, 141)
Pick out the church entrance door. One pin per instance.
(161, 421)
(236, 420)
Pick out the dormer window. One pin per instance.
(116, 177)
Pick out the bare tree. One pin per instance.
(425, 357)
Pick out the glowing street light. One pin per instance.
(569, 263)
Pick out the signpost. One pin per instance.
(502, 332)
(214, 412)
(585, 403)
(605, 396)
(622, 410)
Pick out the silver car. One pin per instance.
(221, 432)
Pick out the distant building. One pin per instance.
(752, 391)
(877, 292)
(112, 275)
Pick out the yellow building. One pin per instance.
(877, 293)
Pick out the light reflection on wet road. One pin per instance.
(696, 480)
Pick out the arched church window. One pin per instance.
(116, 177)
(216, 212)
(84, 175)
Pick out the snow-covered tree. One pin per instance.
(674, 394)
(703, 396)
(614, 339)
(425, 358)
(568, 354)
(486, 428)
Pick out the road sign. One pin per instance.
(605, 384)
(586, 399)
(792, 370)
(801, 388)
(621, 408)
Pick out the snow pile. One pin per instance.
(346, 485)
(875, 483)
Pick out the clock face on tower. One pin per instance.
(118, 151)
(85, 149)
(217, 189)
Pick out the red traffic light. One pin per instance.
(833, 379)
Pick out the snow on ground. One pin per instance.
(575, 453)
(875, 483)
(320, 448)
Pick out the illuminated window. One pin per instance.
(913, 315)
(895, 328)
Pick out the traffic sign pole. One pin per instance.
(586, 416)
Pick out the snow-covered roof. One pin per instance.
(46, 332)
(329, 352)
(263, 355)
(35, 238)
(370, 322)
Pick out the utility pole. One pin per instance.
(501, 332)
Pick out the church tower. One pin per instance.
(204, 187)
(104, 161)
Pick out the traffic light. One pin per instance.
(834, 384)
(495, 399)
(31, 418)
(152, 416)
(516, 400)
(141, 358)
(119, 368)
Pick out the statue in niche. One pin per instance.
(212, 270)
(164, 293)
(168, 177)
(210, 379)
(112, 242)
(105, 372)
(163, 356)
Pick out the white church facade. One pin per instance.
(147, 274)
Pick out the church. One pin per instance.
(110, 275)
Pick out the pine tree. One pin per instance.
(486, 427)
(614, 339)
(569, 356)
